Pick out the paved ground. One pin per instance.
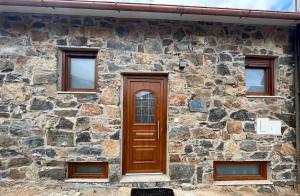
(61, 190)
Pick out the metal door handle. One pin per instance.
(158, 130)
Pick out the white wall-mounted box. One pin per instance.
(268, 127)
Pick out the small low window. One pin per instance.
(88, 170)
(233, 170)
(79, 71)
(259, 76)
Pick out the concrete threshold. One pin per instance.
(145, 178)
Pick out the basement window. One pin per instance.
(245, 170)
(79, 71)
(88, 170)
(259, 76)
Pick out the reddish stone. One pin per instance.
(88, 109)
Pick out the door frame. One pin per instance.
(143, 75)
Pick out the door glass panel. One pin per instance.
(238, 170)
(144, 107)
(82, 74)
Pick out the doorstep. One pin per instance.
(145, 178)
(86, 180)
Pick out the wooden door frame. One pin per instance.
(144, 75)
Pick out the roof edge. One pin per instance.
(158, 8)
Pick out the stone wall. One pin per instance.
(41, 129)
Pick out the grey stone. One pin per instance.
(6, 140)
(208, 50)
(286, 175)
(69, 104)
(38, 25)
(44, 152)
(199, 174)
(122, 31)
(206, 144)
(197, 105)
(248, 145)
(223, 70)
(75, 22)
(83, 137)
(83, 123)
(66, 112)
(243, 115)
(249, 127)
(188, 149)
(279, 168)
(60, 138)
(113, 67)
(219, 125)
(78, 41)
(21, 128)
(259, 155)
(183, 46)
(61, 42)
(13, 78)
(19, 162)
(6, 66)
(245, 35)
(182, 172)
(89, 151)
(289, 136)
(179, 34)
(216, 114)
(258, 35)
(34, 142)
(117, 45)
(220, 146)
(225, 57)
(53, 173)
(153, 46)
(167, 42)
(64, 124)
(285, 60)
(4, 108)
(5, 152)
(179, 133)
(265, 189)
(289, 119)
(83, 98)
(88, 21)
(13, 18)
(44, 78)
(41, 104)
(115, 136)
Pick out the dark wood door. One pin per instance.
(145, 117)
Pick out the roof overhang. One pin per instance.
(150, 11)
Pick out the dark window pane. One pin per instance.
(255, 80)
(238, 170)
(82, 73)
(88, 169)
(144, 107)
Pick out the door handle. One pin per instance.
(158, 130)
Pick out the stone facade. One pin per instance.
(209, 116)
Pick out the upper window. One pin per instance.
(246, 170)
(259, 76)
(79, 71)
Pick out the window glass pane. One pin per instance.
(255, 80)
(237, 170)
(144, 107)
(82, 74)
(88, 169)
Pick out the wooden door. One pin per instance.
(145, 127)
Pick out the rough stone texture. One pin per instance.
(39, 126)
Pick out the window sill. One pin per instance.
(86, 180)
(75, 92)
(145, 178)
(241, 182)
(262, 96)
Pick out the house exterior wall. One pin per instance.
(41, 129)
